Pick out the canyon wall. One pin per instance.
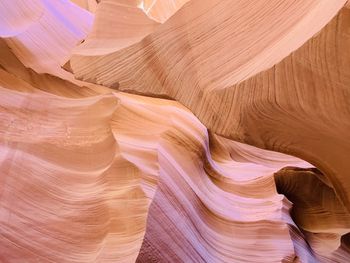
(174, 131)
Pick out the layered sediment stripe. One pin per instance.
(43, 32)
(67, 194)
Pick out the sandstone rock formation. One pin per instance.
(174, 131)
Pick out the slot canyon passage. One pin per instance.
(174, 131)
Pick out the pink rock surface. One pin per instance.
(92, 173)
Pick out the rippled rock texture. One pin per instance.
(174, 131)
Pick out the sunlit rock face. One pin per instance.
(174, 131)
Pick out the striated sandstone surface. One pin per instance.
(174, 131)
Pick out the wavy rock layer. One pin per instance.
(44, 41)
(204, 202)
(306, 92)
(84, 193)
(92, 174)
(67, 193)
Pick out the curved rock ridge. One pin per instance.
(132, 21)
(196, 46)
(67, 87)
(316, 208)
(81, 194)
(203, 208)
(130, 25)
(212, 203)
(43, 32)
(304, 97)
(67, 194)
(92, 174)
(66, 172)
